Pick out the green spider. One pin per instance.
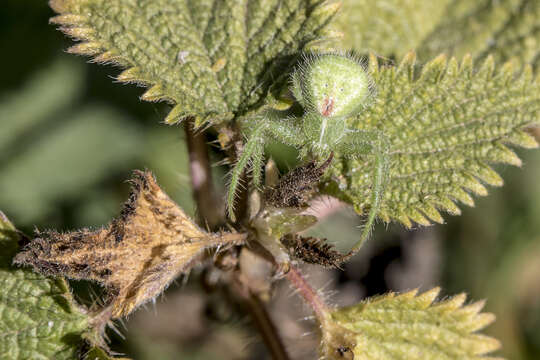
(330, 88)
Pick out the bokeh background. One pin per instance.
(70, 137)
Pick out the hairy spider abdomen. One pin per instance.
(333, 85)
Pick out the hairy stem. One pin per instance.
(266, 327)
(209, 206)
(310, 295)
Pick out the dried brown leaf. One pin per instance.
(313, 250)
(136, 256)
(297, 186)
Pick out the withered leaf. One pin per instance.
(136, 256)
(297, 186)
(313, 250)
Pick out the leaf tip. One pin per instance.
(467, 64)
(432, 213)
(490, 176)
(154, 94)
(79, 32)
(523, 139)
(409, 59)
(429, 296)
(508, 156)
(60, 6)
(67, 19)
(86, 48)
(4, 219)
(418, 218)
(485, 344)
(488, 67)
(132, 75)
(453, 303)
(434, 69)
(328, 8)
(474, 308)
(175, 116)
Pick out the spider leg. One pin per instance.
(253, 148)
(285, 130)
(257, 160)
(361, 142)
(297, 88)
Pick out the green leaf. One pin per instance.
(96, 353)
(469, 28)
(406, 327)
(46, 93)
(445, 126)
(520, 38)
(387, 28)
(38, 317)
(506, 29)
(62, 160)
(212, 59)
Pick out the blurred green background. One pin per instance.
(70, 137)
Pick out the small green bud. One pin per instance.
(332, 85)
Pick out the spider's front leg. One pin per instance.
(271, 125)
(367, 142)
(253, 149)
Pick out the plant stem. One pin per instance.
(266, 327)
(211, 213)
(310, 295)
(210, 208)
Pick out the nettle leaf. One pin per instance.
(211, 59)
(97, 353)
(520, 38)
(108, 135)
(43, 96)
(407, 326)
(388, 28)
(445, 126)
(469, 28)
(38, 316)
(506, 29)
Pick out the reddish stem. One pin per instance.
(308, 293)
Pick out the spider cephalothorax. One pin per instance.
(330, 88)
